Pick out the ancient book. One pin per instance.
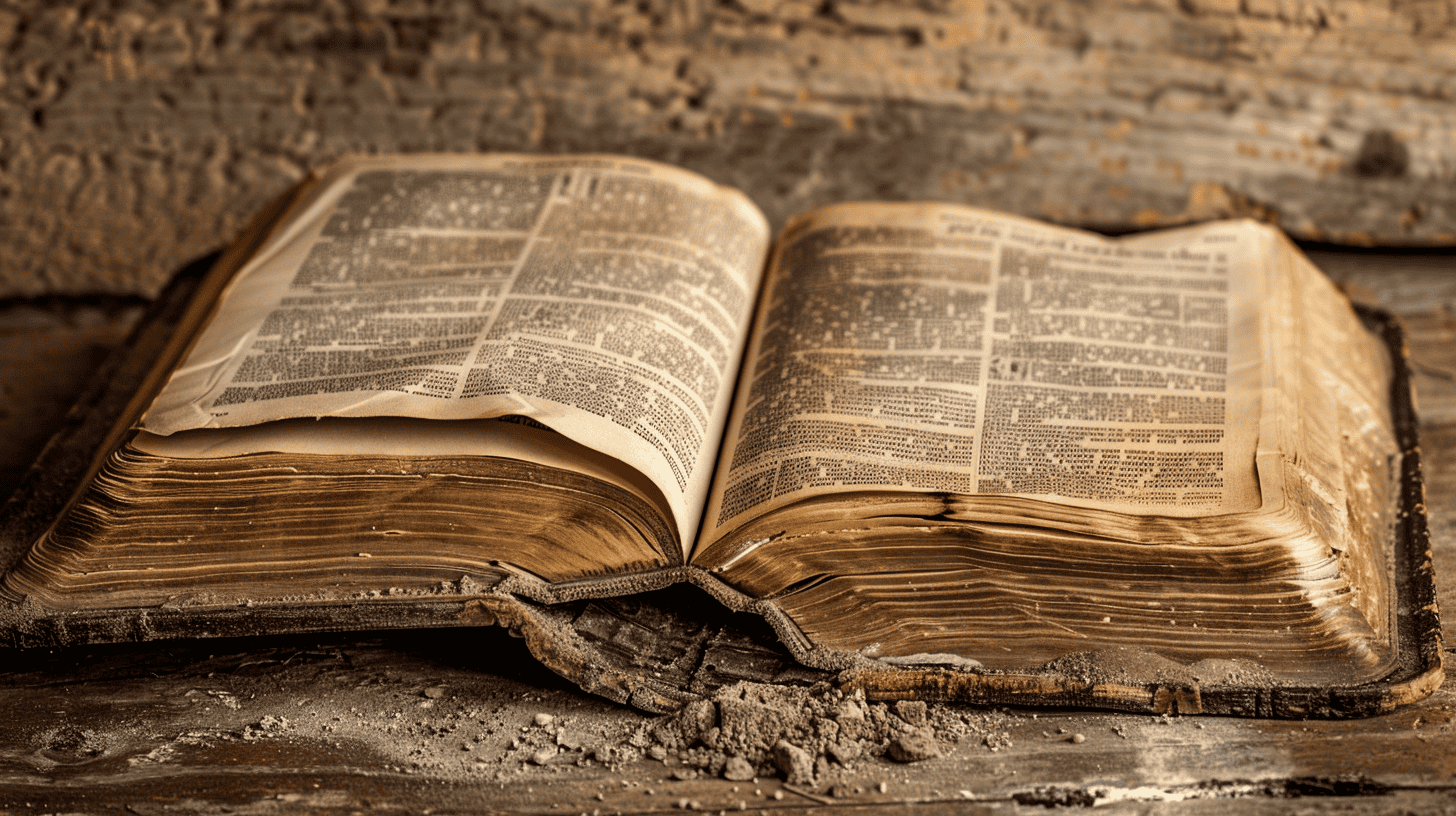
(942, 451)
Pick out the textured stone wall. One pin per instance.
(135, 135)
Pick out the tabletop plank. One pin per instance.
(139, 135)
(382, 719)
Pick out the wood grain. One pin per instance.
(140, 134)
(185, 729)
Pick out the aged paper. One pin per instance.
(941, 348)
(603, 297)
(405, 438)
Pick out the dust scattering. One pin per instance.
(412, 718)
(1138, 667)
(501, 731)
(423, 706)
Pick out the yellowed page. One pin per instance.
(394, 436)
(1329, 437)
(941, 348)
(604, 297)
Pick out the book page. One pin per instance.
(941, 348)
(401, 437)
(606, 298)
(1331, 439)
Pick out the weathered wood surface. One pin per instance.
(426, 721)
(385, 723)
(137, 135)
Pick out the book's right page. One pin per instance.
(937, 347)
(971, 435)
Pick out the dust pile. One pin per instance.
(808, 737)
(814, 737)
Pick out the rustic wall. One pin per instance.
(136, 134)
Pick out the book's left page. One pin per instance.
(603, 297)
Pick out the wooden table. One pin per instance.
(424, 722)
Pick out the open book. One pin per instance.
(941, 449)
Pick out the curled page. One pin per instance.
(603, 297)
